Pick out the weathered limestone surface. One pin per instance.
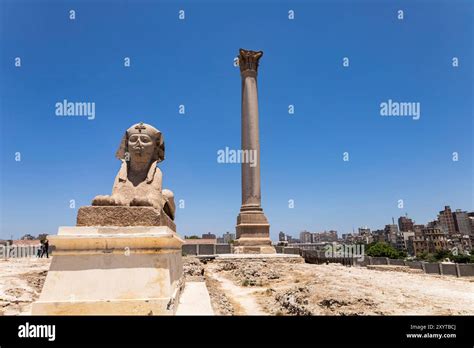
(113, 271)
(253, 229)
(123, 216)
(139, 180)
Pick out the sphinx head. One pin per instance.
(142, 143)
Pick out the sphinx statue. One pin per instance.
(139, 180)
(128, 235)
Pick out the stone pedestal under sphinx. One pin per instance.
(113, 271)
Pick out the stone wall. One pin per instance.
(223, 249)
(449, 269)
(396, 262)
(379, 261)
(432, 268)
(466, 270)
(206, 249)
(20, 251)
(288, 250)
(414, 264)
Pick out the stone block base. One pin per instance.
(253, 234)
(123, 216)
(113, 271)
(254, 250)
(158, 306)
(253, 246)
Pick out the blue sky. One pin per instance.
(190, 62)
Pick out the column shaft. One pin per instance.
(251, 195)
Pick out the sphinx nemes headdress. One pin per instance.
(152, 132)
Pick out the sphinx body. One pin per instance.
(139, 180)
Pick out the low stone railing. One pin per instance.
(454, 269)
(206, 249)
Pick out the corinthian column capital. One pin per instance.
(248, 61)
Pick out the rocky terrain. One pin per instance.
(279, 287)
(282, 287)
(21, 281)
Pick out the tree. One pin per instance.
(381, 249)
(42, 236)
(440, 255)
(422, 256)
(462, 258)
(402, 255)
(192, 237)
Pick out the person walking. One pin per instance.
(45, 248)
(40, 250)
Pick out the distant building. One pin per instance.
(399, 242)
(347, 237)
(466, 244)
(436, 239)
(208, 236)
(437, 224)
(305, 237)
(228, 237)
(379, 236)
(365, 236)
(405, 224)
(462, 224)
(292, 240)
(446, 220)
(431, 241)
(391, 232)
(471, 221)
(418, 229)
(326, 236)
(408, 241)
(281, 236)
(410, 246)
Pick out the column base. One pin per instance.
(254, 250)
(253, 234)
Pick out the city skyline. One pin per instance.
(354, 228)
(372, 228)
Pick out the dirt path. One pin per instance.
(243, 296)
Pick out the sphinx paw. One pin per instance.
(108, 200)
(141, 202)
(103, 200)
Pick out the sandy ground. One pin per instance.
(280, 287)
(283, 288)
(21, 281)
(246, 297)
